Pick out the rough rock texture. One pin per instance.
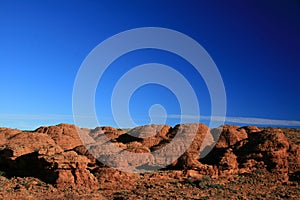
(231, 135)
(270, 146)
(202, 140)
(6, 133)
(82, 150)
(28, 142)
(65, 135)
(198, 159)
(228, 161)
(151, 135)
(109, 177)
(154, 146)
(69, 169)
(110, 132)
(41, 155)
(246, 149)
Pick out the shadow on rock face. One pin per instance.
(28, 165)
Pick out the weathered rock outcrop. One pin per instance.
(65, 135)
(68, 169)
(105, 131)
(269, 146)
(65, 155)
(230, 135)
(6, 133)
(40, 155)
(202, 139)
(246, 149)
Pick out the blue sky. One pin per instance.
(255, 45)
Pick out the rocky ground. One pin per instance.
(244, 163)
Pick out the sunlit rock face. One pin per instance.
(67, 155)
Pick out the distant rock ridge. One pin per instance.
(64, 155)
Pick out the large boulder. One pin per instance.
(69, 169)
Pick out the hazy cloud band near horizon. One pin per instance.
(229, 119)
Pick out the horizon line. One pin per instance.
(228, 119)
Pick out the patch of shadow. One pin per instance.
(295, 177)
(147, 167)
(214, 156)
(28, 165)
(126, 138)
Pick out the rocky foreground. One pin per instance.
(245, 163)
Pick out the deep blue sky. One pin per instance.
(255, 45)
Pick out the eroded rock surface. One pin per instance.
(66, 156)
(45, 154)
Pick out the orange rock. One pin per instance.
(229, 161)
(65, 135)
(190, 158)
(69, 169)
(230, 136)
(24, 143)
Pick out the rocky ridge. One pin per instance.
(65, 156)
